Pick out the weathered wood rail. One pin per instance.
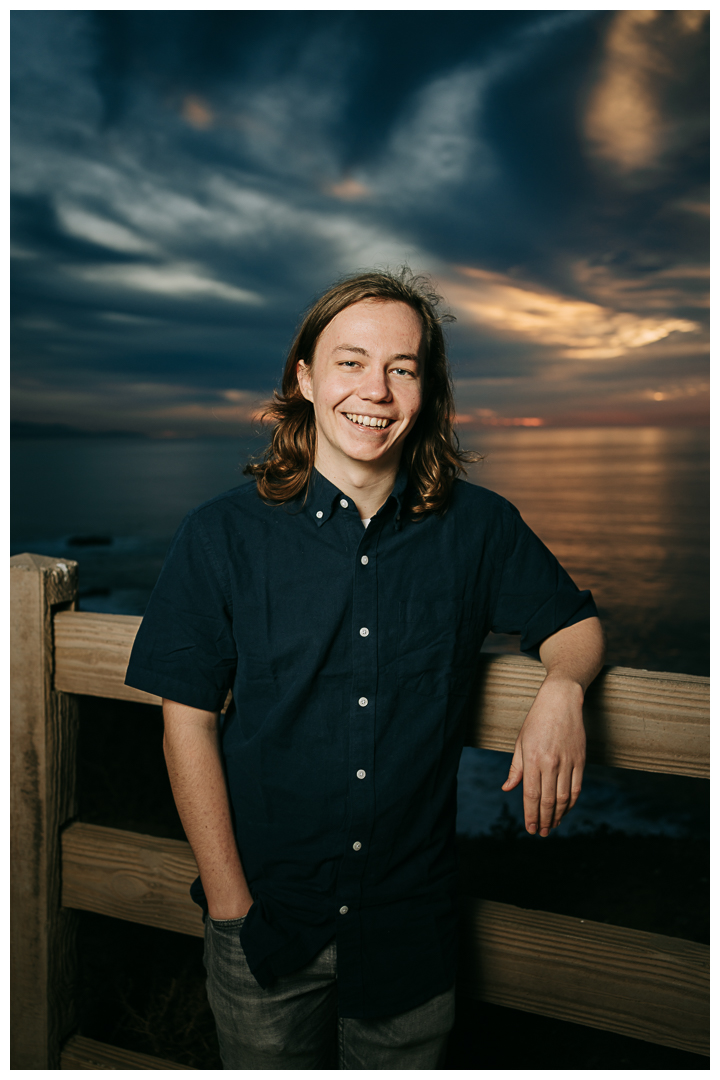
(648, 986)
(634, 719)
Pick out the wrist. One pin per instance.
(566, 684)
(228, 898)
(234, 911)
(235, 907)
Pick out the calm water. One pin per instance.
(625, 510)
(627, 513)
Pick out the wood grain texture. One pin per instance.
(131, 876)
(43, 733)
(92, 653)
(82, 1053)
(655, 721)
(644, 985)
(647, 720)
(647, 986)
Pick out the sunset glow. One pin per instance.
(186, 182)
(488, 418)
(579, 330)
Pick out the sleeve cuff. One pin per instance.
(208, 698)
(564, 609)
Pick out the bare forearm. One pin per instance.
(195, 769)
(575, 654)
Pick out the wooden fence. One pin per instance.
(648, 986)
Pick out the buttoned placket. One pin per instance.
(361, 719)
(361, 741)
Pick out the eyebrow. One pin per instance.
(364, 352)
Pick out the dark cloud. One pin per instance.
(185, 182)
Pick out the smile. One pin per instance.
(369, 421)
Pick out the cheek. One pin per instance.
(414, 408)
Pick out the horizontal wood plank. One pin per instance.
(648, 720)
(82, 1053)
(644, 985)
(143, 879)
(656, 721)
(647, 986)
(92, 652)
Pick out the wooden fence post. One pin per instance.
(43, 738)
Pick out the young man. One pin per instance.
(343, 595)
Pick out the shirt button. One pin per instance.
(364, 560)
(344, 504)
(360, 774)
(364, 631)
(319, 514)
(344, 910)
(357, 845)
(362, 702)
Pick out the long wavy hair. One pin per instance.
(431, 452)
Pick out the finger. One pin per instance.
(516, 770)
(548, 800)
(576, 785)
(531, 801)
(562, 796)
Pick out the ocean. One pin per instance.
(626, 510)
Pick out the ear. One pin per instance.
(304, 378)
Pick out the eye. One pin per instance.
(403, 371)
(349, 363)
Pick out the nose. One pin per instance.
(375, 385)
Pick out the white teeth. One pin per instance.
(367, 421)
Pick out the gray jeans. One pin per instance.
(294, 1024)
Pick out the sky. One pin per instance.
(186, 183)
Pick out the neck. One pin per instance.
(367, 484)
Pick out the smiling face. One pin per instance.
(365, 385)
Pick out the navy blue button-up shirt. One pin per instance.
(350, 653)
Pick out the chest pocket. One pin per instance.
(437, 647)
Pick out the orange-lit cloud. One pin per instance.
(578, 330)
(242, 414)
(197, 112)
(622, 122)
(243, 407)
(348, 189)
(627, 122)
(254, 410)
(691, 21)
(489, 418)
(683, 285)
(677, 391)
(694, 206)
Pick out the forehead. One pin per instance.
(378, 322)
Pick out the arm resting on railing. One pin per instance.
(549, 753)
(192, 754)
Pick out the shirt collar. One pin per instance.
(323, 498)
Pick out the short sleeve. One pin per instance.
(185, 649)
(536, 597)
